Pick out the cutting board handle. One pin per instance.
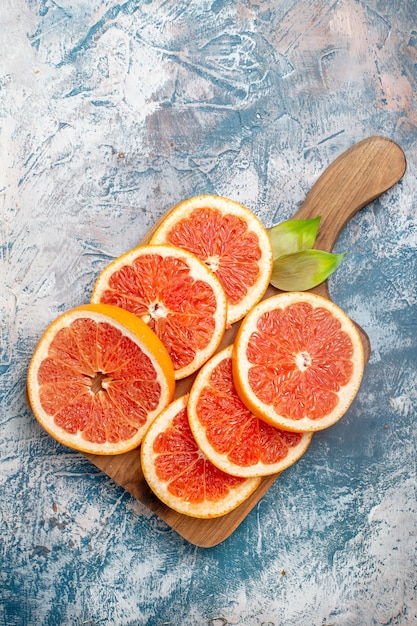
(353, 180)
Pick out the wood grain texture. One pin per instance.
(353, 180)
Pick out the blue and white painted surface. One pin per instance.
(110, 113)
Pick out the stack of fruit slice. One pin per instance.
(176, 294)
(102, 377)
(181, 475)
(230, 240)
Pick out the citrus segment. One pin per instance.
(232, 437)
(179, 298)
(179, 473)
(97, 378)
(298, 361)
(232, 242)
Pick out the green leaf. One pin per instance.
(293, 236)
(304, 270)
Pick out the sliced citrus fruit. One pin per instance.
(298, 361)
(179, 473)
(97, 378)
(175, 294)
(230, 239)
(232, 437)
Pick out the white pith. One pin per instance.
(213, 262)
(157, 311)
(303, 361)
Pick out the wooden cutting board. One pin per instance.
(353, 180)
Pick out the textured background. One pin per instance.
(110, 113)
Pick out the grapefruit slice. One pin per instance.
(179, 473)
(232, 437)
(179, 298)
(98, 378)
(298, 361)
(230, 239)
